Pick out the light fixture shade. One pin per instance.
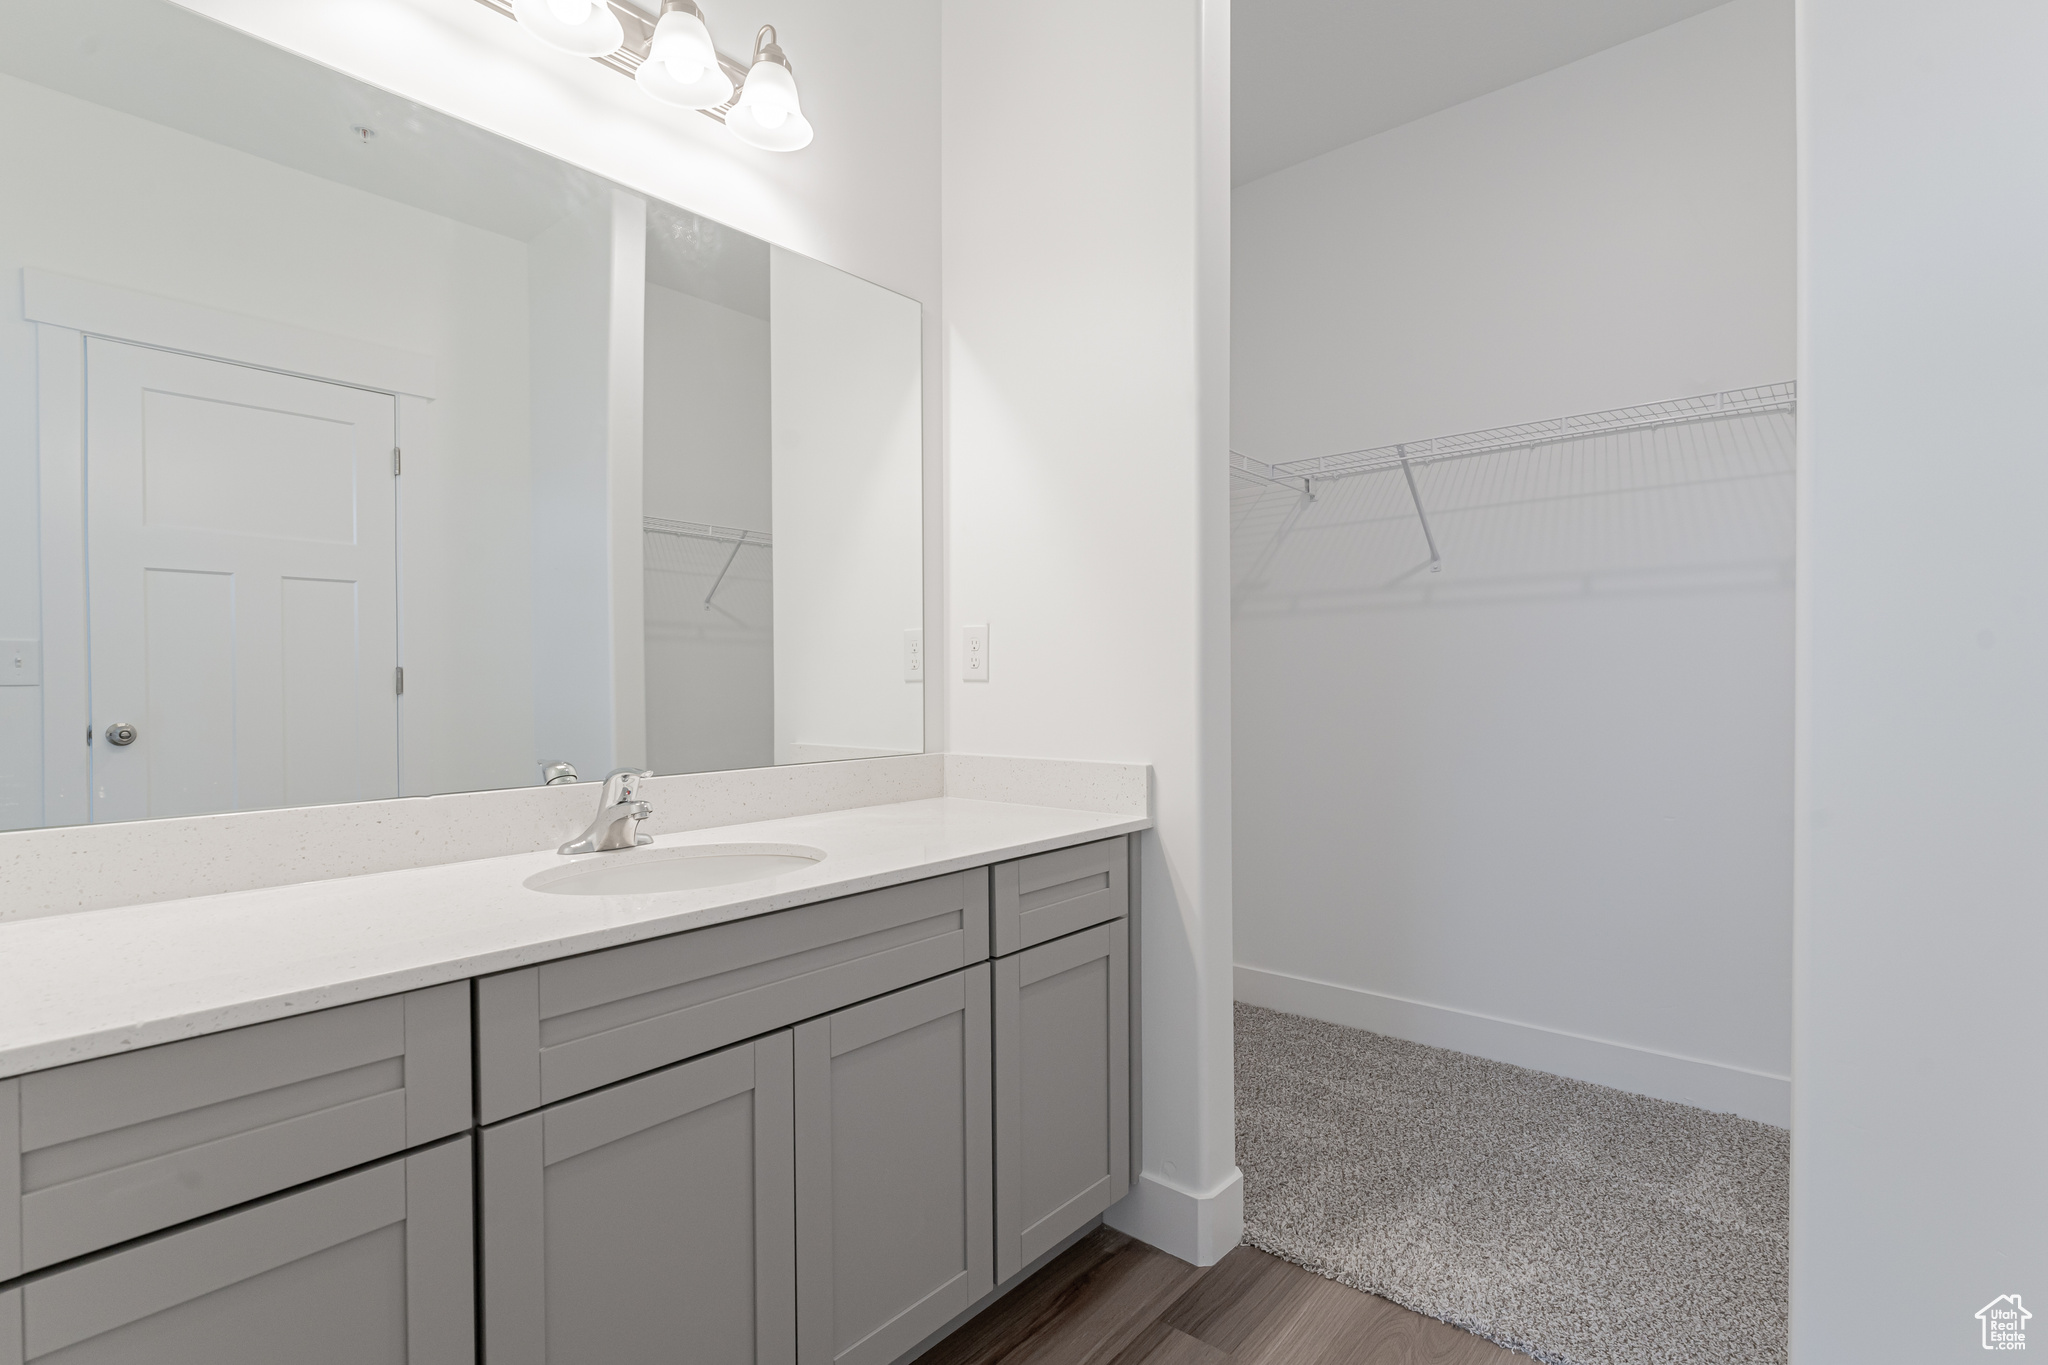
(682, 66)
(599, 35)
(767, 115)
(681, 39)
(792, 133)
(709, 90)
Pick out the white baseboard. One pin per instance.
(1717, 1086)
(1198, 1227)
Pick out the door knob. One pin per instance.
(119, 735)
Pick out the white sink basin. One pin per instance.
(650, 872)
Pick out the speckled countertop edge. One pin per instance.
(94, 983)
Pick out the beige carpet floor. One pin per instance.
(1578, 1224)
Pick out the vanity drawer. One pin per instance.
(102, 1151)
(1048, 895)
(375, 1267)
(545, 1033)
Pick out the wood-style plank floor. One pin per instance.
(1109, 1300)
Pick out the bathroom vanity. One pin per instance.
(812, 1117)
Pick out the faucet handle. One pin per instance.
(621, 783)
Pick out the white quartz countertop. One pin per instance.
(96, 982)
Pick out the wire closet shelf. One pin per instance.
(697, 530)
(1301, 476)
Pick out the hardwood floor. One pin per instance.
(1109, 1300)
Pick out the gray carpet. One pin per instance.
(1578, 1224)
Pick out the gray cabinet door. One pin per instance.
(371, 1268)
(104, 1151)
(551, 1032)
(1063, 1095)
(892, 1169)
(653, 1221)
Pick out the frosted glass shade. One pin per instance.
(599, 34)
(767, 115)
(683, 43)
(712, 86)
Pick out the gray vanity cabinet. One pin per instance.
(1062, 1089)
(104, 1151)
(370, 1268)
(549, 1032)
(652, 1221)
(811, 1137)
(893, 1169)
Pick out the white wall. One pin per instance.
(843, 488)
(587, 287)
(864, 196)
(233, 231)
(710, 669)
(707, 412)
(1087, 315)
(1918, 1187)
(1536, 806)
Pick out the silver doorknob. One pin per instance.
(120, 735)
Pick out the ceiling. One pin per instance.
(1310, 76)
(163, 63)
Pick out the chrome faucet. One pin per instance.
(619, 813)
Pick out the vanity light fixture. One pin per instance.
(672, 57)
(682, 66)
(587, 28)
(767, 114)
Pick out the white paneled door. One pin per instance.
(243, 586)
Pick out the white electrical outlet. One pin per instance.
(974, 653)
(21, 663)
(913, 656)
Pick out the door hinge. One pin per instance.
(397, 461)
(401, 681)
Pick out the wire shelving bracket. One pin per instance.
(736, 536)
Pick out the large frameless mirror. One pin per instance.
(348, 451)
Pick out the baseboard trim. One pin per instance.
(1644, 1071)
(1198, 1227)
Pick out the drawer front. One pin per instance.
(375, 1267)
(1050, 895)
(562, 1028)
(111, 1149)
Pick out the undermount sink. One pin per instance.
(649, 872)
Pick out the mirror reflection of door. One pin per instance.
(242, 569)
